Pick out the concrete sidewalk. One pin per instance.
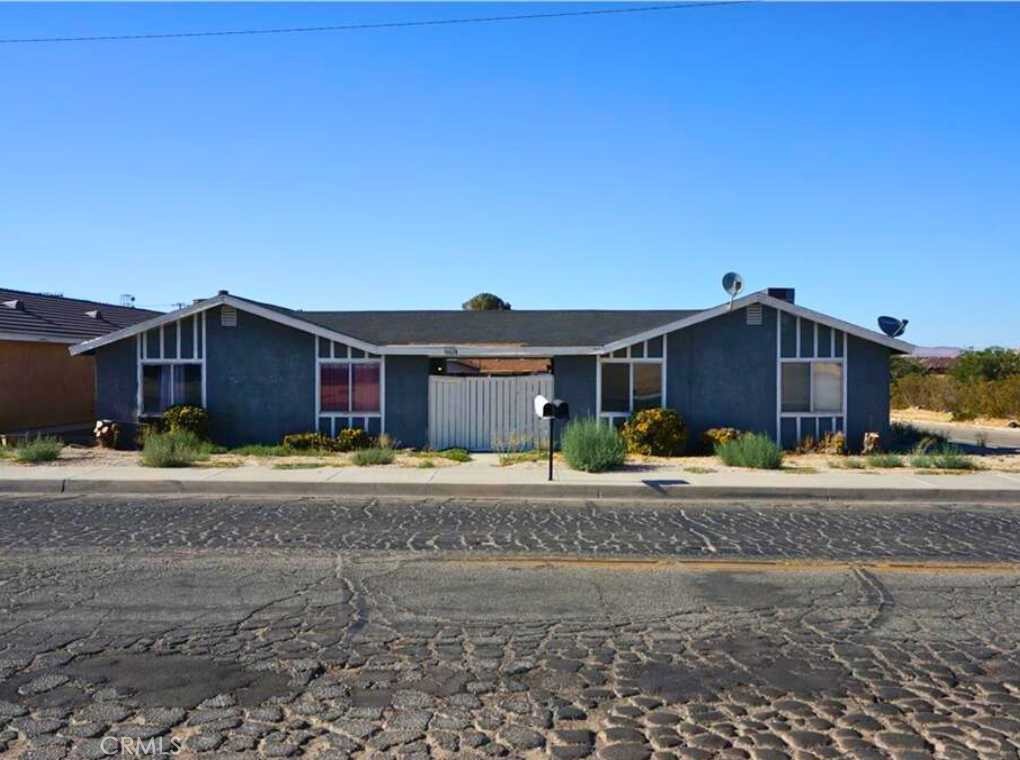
(482, 477)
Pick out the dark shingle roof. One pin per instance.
(582, 327)
(54, 317)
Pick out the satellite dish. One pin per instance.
(892, 327)
(732, 283)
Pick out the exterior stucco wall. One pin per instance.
(117, 381)
(407, 399)
(867, 391)
(574, 382)
(722, 373)
(42, 385)
(260, 382)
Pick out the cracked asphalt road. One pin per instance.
(365, 629)
(922, 532)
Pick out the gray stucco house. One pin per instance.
(762, 363)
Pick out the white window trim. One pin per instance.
(833, 416)
(348, 360)
(143, 360)
(629, 360)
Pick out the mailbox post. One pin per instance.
(552, 411)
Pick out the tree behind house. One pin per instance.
(485, 302)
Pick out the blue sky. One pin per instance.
(868, 155)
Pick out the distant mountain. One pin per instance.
(936, 352)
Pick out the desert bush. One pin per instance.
(655, 432)
(751, 450)
(186, 417)
(591, 446)
(884, 461)
(714, 436)
(39, 449)
(180, 448)
(964, 400)
(352, 439)
(373, 456)
(988, 364)
(943, 457)
(309, 441)
(902, 366)
(830, 443)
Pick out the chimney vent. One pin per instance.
(783, 294)
(224, 293)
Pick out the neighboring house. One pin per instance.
(41, 385)
(761, 363)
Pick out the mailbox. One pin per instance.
(555, 409)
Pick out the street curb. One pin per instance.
(649, 491)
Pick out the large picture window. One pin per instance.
(347, 387)
(814, 387)
(631, 379)
(166, 384)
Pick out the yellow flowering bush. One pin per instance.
(655, 432)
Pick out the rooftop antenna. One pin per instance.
(892, 327)
(126, 299)
(732, 283)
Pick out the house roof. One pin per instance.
(589, 327)
(54, 318)
(490, 333)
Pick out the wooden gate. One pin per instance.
(486, 413)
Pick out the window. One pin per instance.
(334, 387)
(812, 387)
(164, 385)
(346, 387)
(647, 386)
(796, 387)
(616, 387)
(826, 387)
(630, 379)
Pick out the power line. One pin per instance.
(382, 25)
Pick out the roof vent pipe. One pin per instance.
(94, 314)
(17, 303)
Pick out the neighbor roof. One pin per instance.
(46, 317)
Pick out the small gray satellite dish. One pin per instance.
(732, 283)
(892, 327)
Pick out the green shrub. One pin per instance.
(884, 461)
(426, 464)
(965, 400)
(714, 436)
(374, 456)
(40, 449)
(188, 418)
(993, 363)
(655, 432)
(181, 448)
(944, 457)
(751, 450)
(352, 439)
(455, 455)
(592, 446)
(309, 441)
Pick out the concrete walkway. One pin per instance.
(483, 477)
